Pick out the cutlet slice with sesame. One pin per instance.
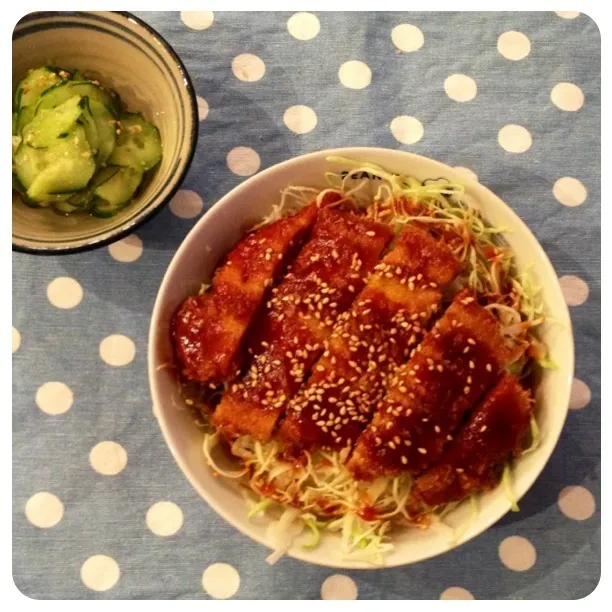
(387, 319)
(289, 335)
(458, 361)
(208, 329)
(472, 462)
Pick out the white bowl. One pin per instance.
(220, 228)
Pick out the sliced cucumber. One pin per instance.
(106, 126)
(49, 124)
(82, 199)
(16, 143)
(67, 89)
(138, 145)
(89, 124)
(32, 85)
(120, 187)
(28, 163)
(28, 91)
(78, 76)
(62, 169)
(65, 208)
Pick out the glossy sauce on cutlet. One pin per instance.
(367, 343)
(493, 432)
(428, 397)
(208, 329)
(299, 316)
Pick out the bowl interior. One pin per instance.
(128, 57)
(218, 230)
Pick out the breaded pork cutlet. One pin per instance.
(472, 462)
(386, 320)
(290, 334)
(208, 329)
(459, 360)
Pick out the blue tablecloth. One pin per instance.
(89, 461)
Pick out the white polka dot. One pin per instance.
(247, 67)
(16, 339)
(127, 249)
(569, 191)
(303, 26)
(514, 138)
(567, 96)
(220, 580)
(466, 172)
(407, 37)
(64, 292)
(100, 573)
(198, 20)
(202, 108)
(117, 350)
(456, 593)
(300, 119)
(108, 458)
(54, 398)
(164, 518)
(338, 586)
(575, 290)
(44, 510)
(576, 503)
(186, 204)
(513, 45)
(407, 130)
(460, 87)
(243, 161)
(580, 396)
(355, 74)
(568, 14)
(517, 553)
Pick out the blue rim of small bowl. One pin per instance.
(154, 207)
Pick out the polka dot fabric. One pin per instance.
(100, 509)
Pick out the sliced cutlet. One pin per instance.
(458, 361)
(290, 334)
(493, 433)
(386, 320)
(208, 329)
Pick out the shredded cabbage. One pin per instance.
(535, 436)
(506, 478)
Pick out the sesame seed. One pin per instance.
(489, 368)
(391, 445)
(459, 470)
(471, 341)
(449, 438)
(466, 390)
(407, 443)
(370, 233)
(378, 440)
(437, 429)
(483, 429)
(404, 460)
(471, 364)
(423, 451)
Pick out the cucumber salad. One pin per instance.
(75, 146)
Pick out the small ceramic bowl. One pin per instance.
(220, 228)
(128, 56)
